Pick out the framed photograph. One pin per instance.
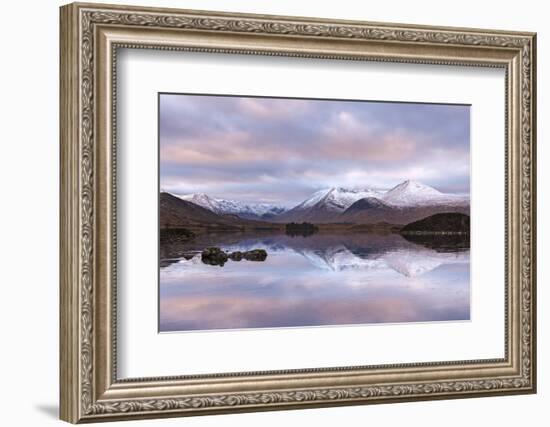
(266, 212)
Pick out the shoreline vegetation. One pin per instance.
(438, 224)
(188, 233)
(443, 232)
(304, 229)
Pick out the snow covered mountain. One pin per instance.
(234, 207)
(413, 193)
(201, 199)
(406, 202)
(325, 205)
(338, 199)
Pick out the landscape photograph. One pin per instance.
(290, 212)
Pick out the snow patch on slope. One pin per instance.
(223, 206)
(413, 193)
(337, 199)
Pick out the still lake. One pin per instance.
(323, 279)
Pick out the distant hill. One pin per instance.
(369, 210)
(368, 203)
(175, 212)
(440, 223)
(257, 211)
(372, 210)
(178, 213)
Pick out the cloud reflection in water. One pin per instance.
(317, 281)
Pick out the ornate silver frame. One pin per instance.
(90, 36)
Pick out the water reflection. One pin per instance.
(312, 281)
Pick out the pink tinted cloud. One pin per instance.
(310, 144)
(273, 109)
(337, 141)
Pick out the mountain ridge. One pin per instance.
(408, 201)
(228, 206)
(413, 193)
(176, 213)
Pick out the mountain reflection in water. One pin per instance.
(323, 279)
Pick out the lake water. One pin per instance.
(313, 281)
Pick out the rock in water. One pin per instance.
(236, 256)
(255, 255)
(214, 256)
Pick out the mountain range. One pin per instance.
(406, 202)
(178, 213)
(244, 210)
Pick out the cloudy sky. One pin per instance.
(282, 150)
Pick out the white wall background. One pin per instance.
(29, 170)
